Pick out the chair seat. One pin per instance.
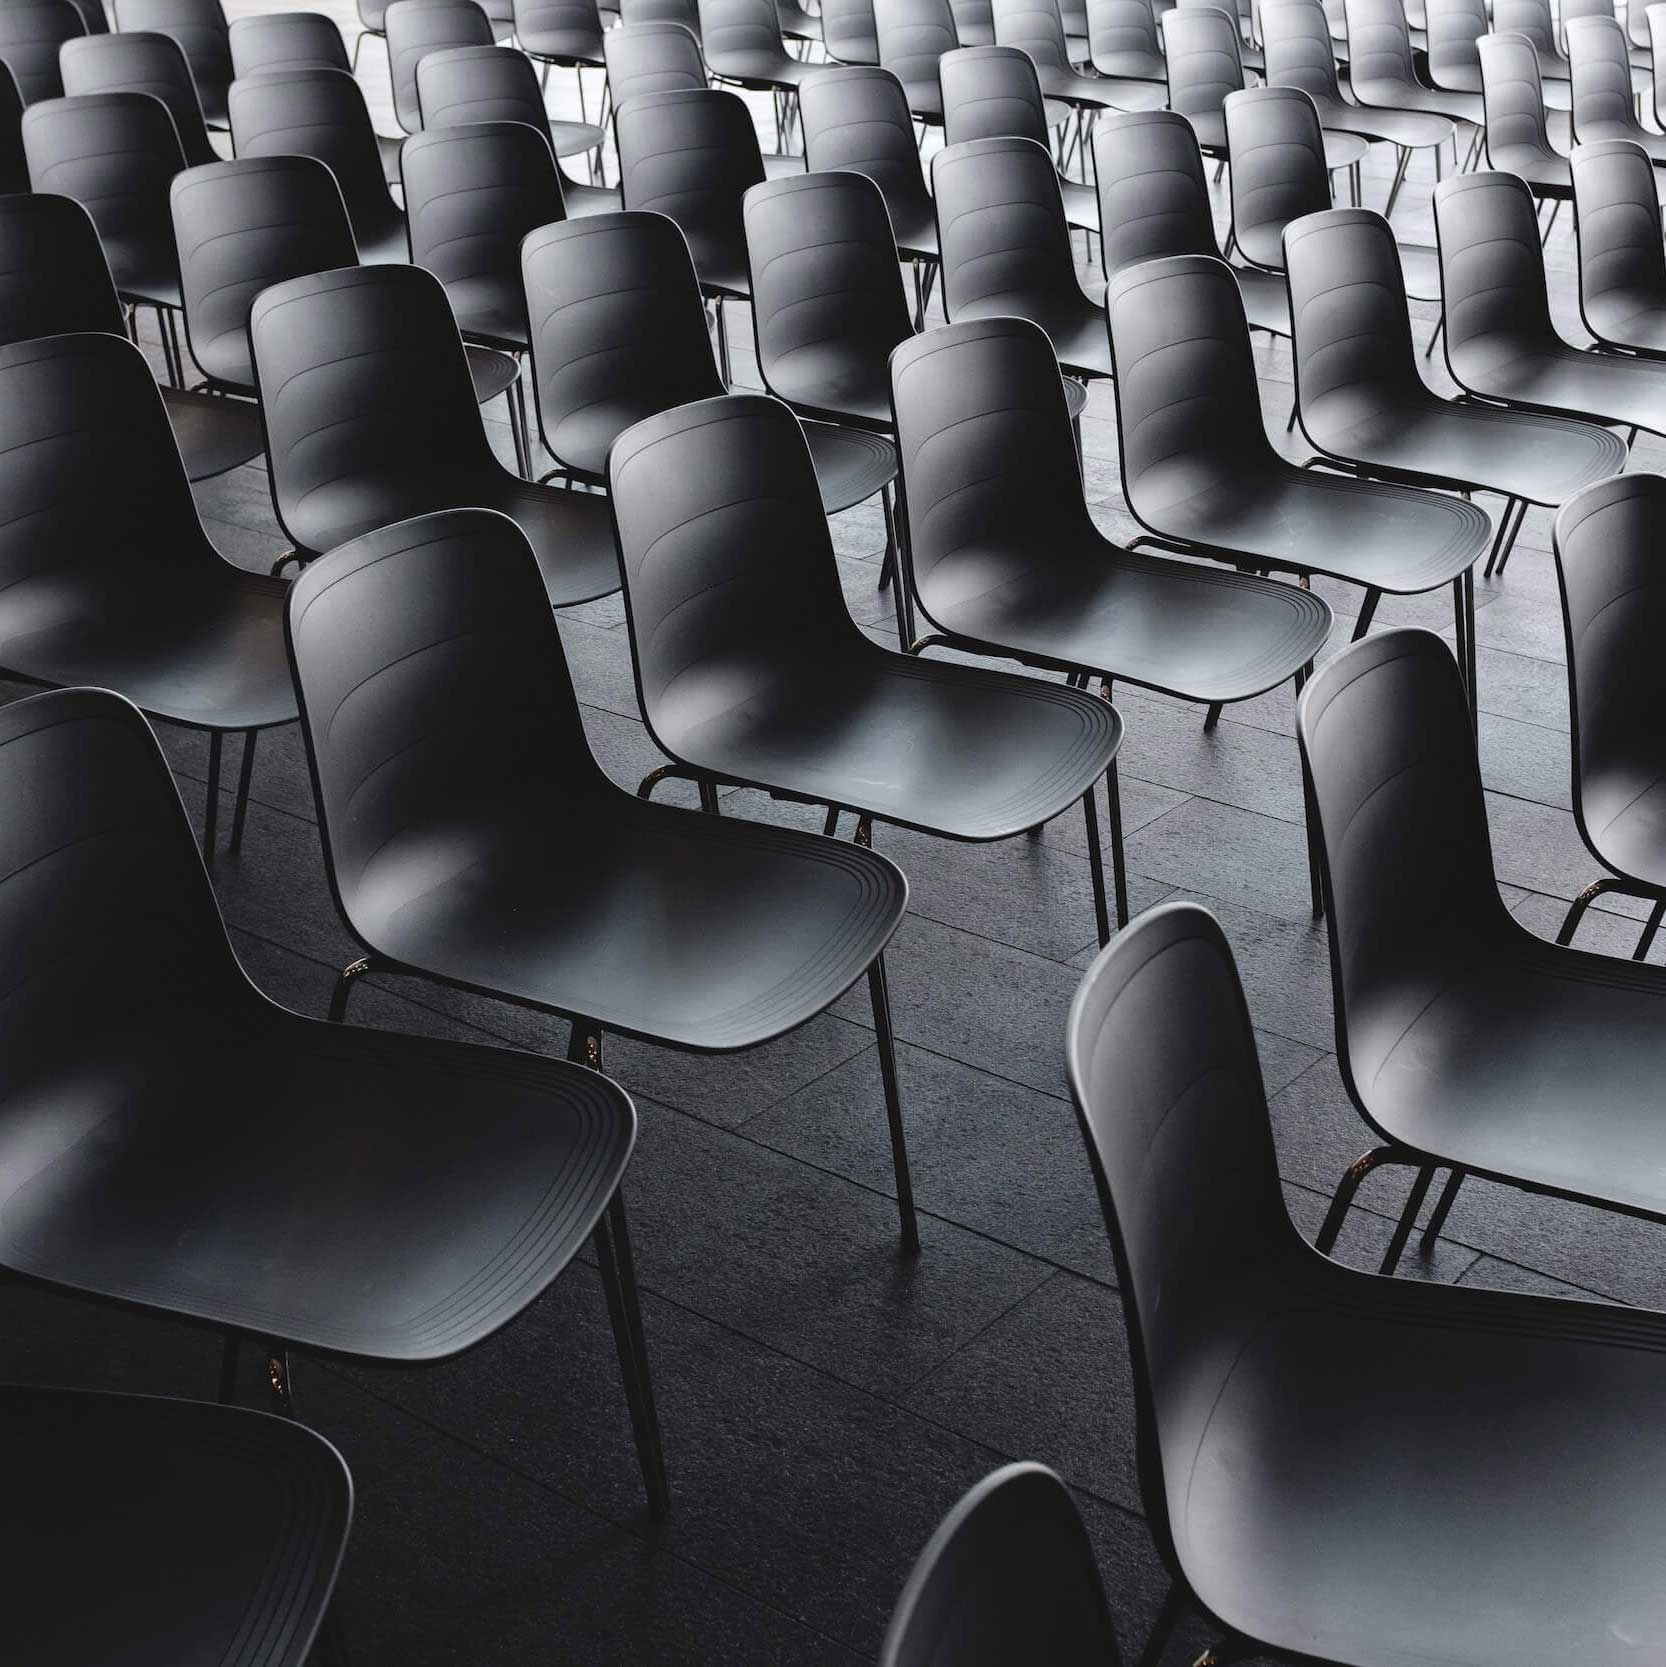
(1266, 299)
(1547, 174)
(1406, 95)
(914, 225)
(760, 68)
(1557, 378)
(1634, 319)
(1392, 538)
(1542, 459)
(968, 754)
(142, 1506)
(782, 167)
(1132, 65)
(1100, 92)
(576, 138)
(455, 1181)
(1202, 633)
(1632, 133)
(704, 932)
(385, 244)
(490, 371)
(1420, 271)
(851, 464)
(581, 199)
(796, 23)
(1624, 802)
(492, 308)
(202, 646)
(1412, 129)
(925, 100)
(1081, 204)
(1077, 333)
(720, 263)
(1344, 1442)
(214, 434)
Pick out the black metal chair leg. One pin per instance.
(1345, 1190)
(1576, 910)
(1498, 538)
(880, 998)
(1443, 1208)
(1641, 952)
(1096, 866)
(1367, 613)
(893, 554)
(1510, 542)
(1434, 336)
(708, 797)
(245, 775)
(1162, 1629)
(344, 986)
(1408, 1219)
(1119, 864)
(830, 828)
(211, 814)
(1212, 716)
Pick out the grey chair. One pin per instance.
(1517, 137)
(415, 28)
(153, 64)
(1382, 71)
(913, 35)
(1603, 96)
(1036, 27)
(1622, 265)
(1123, 40)
(849, 31)
(31, 32)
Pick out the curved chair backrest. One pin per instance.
(472, 193)
(651, 58)
(31, 32)
(824, 271)
(685, 12)
(983, 436)
(286, 40)
(1492, 274)
(1530, 18)
(1513, 93)
(1278, 168)
(1009, 1576)
(571, 30)
(991, 92)
(1608, 561)
(974, 22)
(856, 118)
(459, 84)
(319, 113)
(1455, 26)
(362, 371)
(14, 165)
(912, 36)
(1032, 26)
(200, 28)
(54, 279)
(1123, 26)
(115, 154)
(1296, 44)
(1153, 194)
(849, 32)
(1567, 11)
(135, 63)
(1001, 224)
(417, 27)
(692, 156)
(448, 616)
(1204, 60)
(240, 227)
(618, 330)
(1656, 16)
(1617, 224)
(723, 543)
(1379, 41)
(729, 26)
(1188, 407)
(1600, 58)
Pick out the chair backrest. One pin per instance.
(974, 22)
(1379, 42)
(991, 92)
(1032, 26)
(912, 36)
(984, 441)
(565, 29)
(1122, 26)
(685, 12)
(731, 26)
(418, 27)
(200, 28)
(849, 32)
(618, 330)
(724, 546)
(115, 154)
(856, 118)
(1001, 227)
(31, 31)
(286, 40)
(447, 616)
(1297, 48)
(1010, 1575)
(1278, 168)
(825, 277)
(1153, 194)
(240, 227)
(1656, 18)
(651, 58)
(1204, 60)
(471, 194)
(1454, 28)
(459, 84)
(54, 279)
(1608, 562)
(1568, 10)
(1188, 406)
(1530, 18)
(319, 113)
(1600, 58)
(136, 63)
(1402, 829)
(14, 165)
(1617, 225)
(362, 376)
(1512, 94)
(1492, 274)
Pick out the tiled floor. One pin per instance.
(824, 1402)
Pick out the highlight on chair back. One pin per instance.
(651, 58)
(285, 40)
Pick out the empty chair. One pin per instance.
(566, 33)
(417, 27)
(742, 43)
(498, 84)
(135, 63)
(1500, 342)
(1036, 28)
(321, 113)
(119, 585)
(1608, 564)
(1454, 28)
(974, 22)
(1604, 102)
(751, 671)
(1009, 1576)
(1123, 40)
(31, 32)
(1154, 201)
(1283, 1401)
(849, 32)
(1517, 139)
(499, 858)
(146, 1502)
(285, 40)
(1006, 247)
(1205, 63)
(913, 35)
(1198, 471)
(1363, 404)
(200, 28)
(651, 58)
(1381, 69)
(1567, 11)
(1622, 266)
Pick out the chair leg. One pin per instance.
(344, 986)
(211, 815)
(708, 797)
(1347, 1187)
(1510, 542)
(1399, 180)
(880, 998)
(1435, 335)
(515, 398)
(830, 828)
(1119, 863)
(1310, 824)
(666, 772)
(1212, 716)
(1096, 866)
(1408, 1219)
(1498, 538)
(1576, 909)
(1372, 597)
(1641, 952)
(1463, 646)
(900, 599)
(245, 775)
(1162, 1629)
(1443, 1208)
(722, 339)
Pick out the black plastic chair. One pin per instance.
(651, 58)
(559, 891)
(1604, 100)
(1283, 1404)
(1036, 28)
(1204, 55)
(31, 32)
(743, 46)
(1278, 169)
(912, 36)
(92, 15)
(1123, 40)
(200, 29)
(751, 671)
(414, 28)
(1382, 70)
(1363, 404)
(120, 585)
(399, 1199)
(1009, 1576)
(1154, 201)
(849, 32)
(1200, 475)
(1006, 247)
(135, 63)
(1452, 55)
(1622, 266)
(1501, 344)
(565, 34)
(1006, 559)
(285, 40)
(143, 1507)
(321, 113)
(1517, 137)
